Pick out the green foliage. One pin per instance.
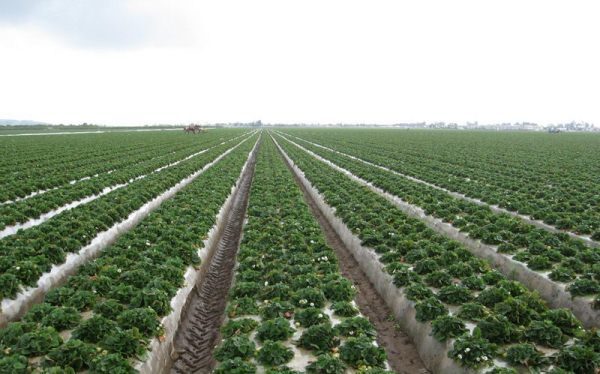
(473, 311)
(360, 351)
(235, 366)
(473, 352)
(339, 290)
(127, 343)
(111, 364)
(16, 364)
(326, 364)
(524, 354)
(429, 309)
(9, 286)
(11, 334)
(447, 327)
(354, 327)
(110, 309)
(321, 338)
(344, 309)
(492, 296)
(238, 327)
(583, 287)
(235, 346)
(565, 320)
(545, 333)
(38, 342)
(438, 279)
(311, 316)
(309, 297)
(579, 359)
(516, 311)
(498, 329)
(38, 312)
(144, 319)
(62, 318)
(274, 353)
(418, 291)
(242, 306)
(454, 294)
(74, 353)
(275, 329)
(95, 329)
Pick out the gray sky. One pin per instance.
(159, 61)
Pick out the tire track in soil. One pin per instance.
(198, 332)
(401, 351)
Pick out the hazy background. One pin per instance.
(160, 61)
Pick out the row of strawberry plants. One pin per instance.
(48, 153)
(99, 154)
(28, 254)
(21, 211)
(22, 187)
(289, 304)
(104, 317)
(567, 260)
(562, 195)
(590, 241)
(51, 152)
(485, 319)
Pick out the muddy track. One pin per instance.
(402, 353)
(199, 329)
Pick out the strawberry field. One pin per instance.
(300, 251)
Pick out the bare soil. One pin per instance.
(198, 332)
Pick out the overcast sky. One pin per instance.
(174, 61)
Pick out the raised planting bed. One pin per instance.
(478, 228)
(553, 179)
(128, 299)
(290, 310)
(30, 255)
(462, 315)
(492, 206)
(21, 211)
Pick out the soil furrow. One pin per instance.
(199, 329)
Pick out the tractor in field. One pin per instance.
(194, 129)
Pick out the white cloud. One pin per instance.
(309, 61)
(97, 24)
